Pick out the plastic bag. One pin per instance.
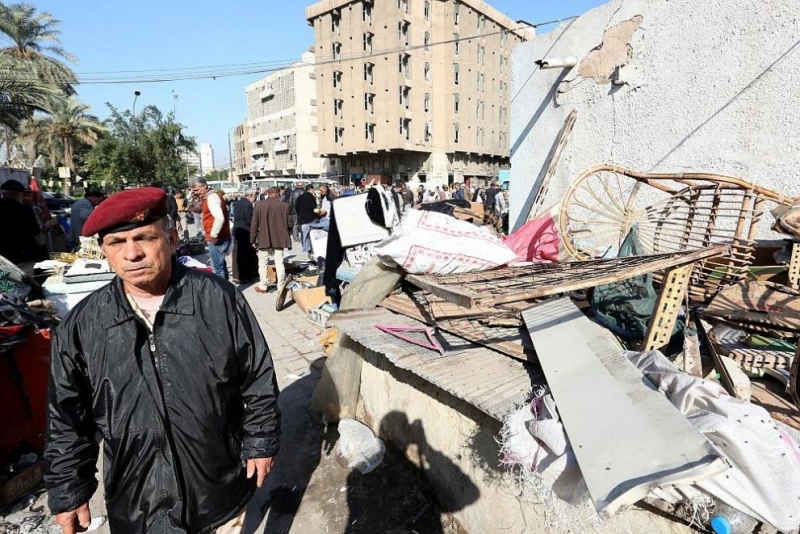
(358, 448)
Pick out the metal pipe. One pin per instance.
(557, 63)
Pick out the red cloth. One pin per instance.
(537, 240)
(208, 219)
(127, 210)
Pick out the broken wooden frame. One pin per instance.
(515, 284)
(672, 212)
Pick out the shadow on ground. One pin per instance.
(309, 492)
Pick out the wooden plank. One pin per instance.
(665, 314)
(506, 285)
(627, 436)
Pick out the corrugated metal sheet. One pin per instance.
(491, 382)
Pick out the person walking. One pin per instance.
(244, 258)
(216, 225)
(270, 234)
(183, 220)
(293, 196)
(80, 213)
(190, 425)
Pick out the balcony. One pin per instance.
(281, 145)
(266, 94)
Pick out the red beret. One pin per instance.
(126, 210)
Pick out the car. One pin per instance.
(58, 203)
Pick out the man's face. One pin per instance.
(199, 190)
(142, 257)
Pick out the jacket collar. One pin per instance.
(177, 300)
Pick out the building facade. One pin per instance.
(241, 152)
(192, 160)
(414, 90)
(206, 158)
(282, 123)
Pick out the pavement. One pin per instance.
(308, 492)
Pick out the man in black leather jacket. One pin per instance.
(168, 366)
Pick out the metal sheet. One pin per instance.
(627, 437)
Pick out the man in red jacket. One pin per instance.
(216, 225)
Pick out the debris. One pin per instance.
(628, 438)
(759, 307)
(358, 448)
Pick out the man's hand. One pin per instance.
(77, 520)
(260, 465)
(212, 240)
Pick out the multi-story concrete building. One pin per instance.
(241, 152)
(282, 119)
(414, 90)
(206, 158)
(192, 160)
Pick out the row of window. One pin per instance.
(366, 16)
(405, 99)
(405, 132)
(404, 65)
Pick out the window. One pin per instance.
(368, 69)
(366, 14)
(338, 103)
(502, 64)
(483, 109)
(369, 131)
(337, 50)
(503, 38)
(335, 19)
(482, 55)
(402, 32)
(426, 103)
(455, 133)
(455, 43)
(456, 102)
(477, 109)
(368, 42)
(427, 72)
(405, 128)
(404, 64)
(405, 93)
(479, 22)
(337, 79)
(369, 103)
(502, 88)
(402, 5)
(428, 131)
(338, 135)
(456, 12)
(427, 10)
(427, 41)
(455, 73)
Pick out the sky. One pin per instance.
(175, 35)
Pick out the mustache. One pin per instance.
(137, 266)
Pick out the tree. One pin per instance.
(217, 175)
(35, 44)
(139, 150)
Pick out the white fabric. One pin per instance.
(764, 480)
(214, 201)
(764, 454)
(435, 243)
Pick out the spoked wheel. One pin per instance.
(599, 210)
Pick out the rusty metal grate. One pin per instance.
(514, 284)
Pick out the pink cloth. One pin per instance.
(537, 240)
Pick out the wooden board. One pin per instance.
(489, 381)
(627, 436)
(514, 284)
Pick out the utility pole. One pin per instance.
(230, 155)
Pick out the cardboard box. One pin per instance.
(307, 299)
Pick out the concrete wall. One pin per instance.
(454, 443)
(710, 86)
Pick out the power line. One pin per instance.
(246, 69)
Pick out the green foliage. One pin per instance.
(217, 175)
(140, 150)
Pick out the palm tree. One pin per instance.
(68, 125)
(35, 44)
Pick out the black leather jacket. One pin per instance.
(179, 410)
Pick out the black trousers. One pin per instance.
(245, 259)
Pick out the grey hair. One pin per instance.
(198, 180)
